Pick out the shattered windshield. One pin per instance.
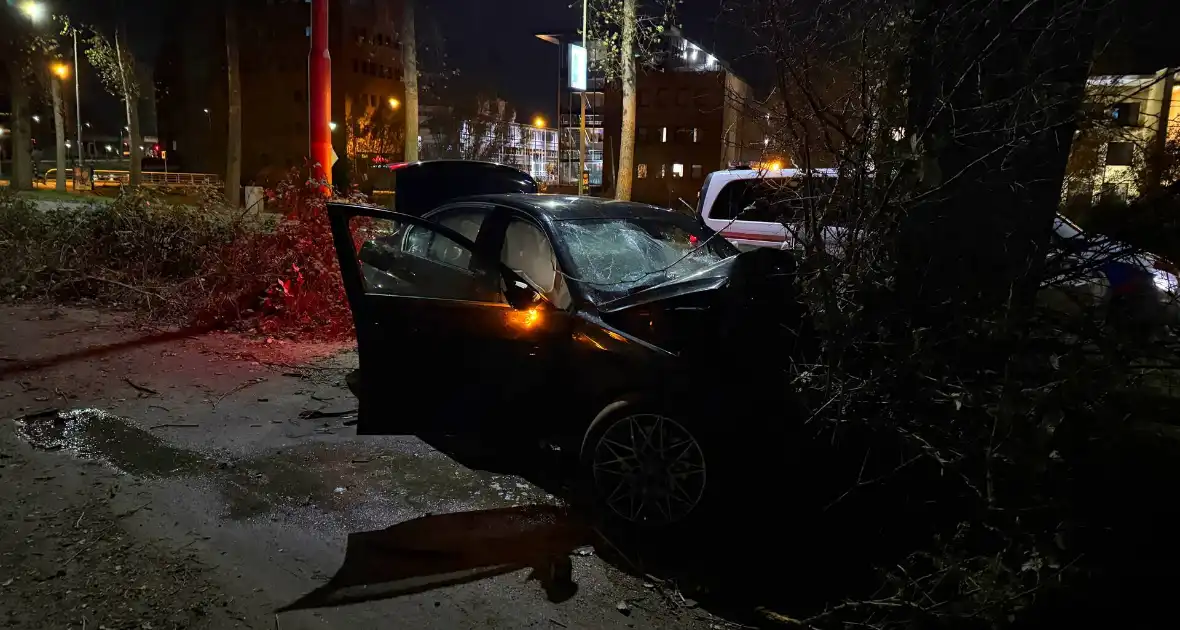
(615, 257)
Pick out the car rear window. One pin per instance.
(773, 200)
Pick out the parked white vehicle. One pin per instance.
(734, 203)
(1084, 269)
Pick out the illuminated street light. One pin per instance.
(36, 119)
(332, 126)
(109, 148)
(61, 70)
(35, 11)
(394, 103)
(539, 122)
(206, 110)
(3, 131)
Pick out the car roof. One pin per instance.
(547, 207)
(729, 175)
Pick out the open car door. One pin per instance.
(445, 335)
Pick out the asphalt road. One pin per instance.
(228, 460)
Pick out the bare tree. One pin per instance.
(627, 135)
(59, 125)
(16, 47)
(409, 43)
(625, 41)
(375, 131)
(478, 128)
(233, 161)
(116, 67)
(942, 306)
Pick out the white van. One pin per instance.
(735, 203)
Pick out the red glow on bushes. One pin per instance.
(285, 280)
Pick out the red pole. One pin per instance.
(319, 73)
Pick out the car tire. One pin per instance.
(647, 468)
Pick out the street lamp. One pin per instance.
(36, 118)
(539, 122)
(332, 126)
(35, 11)
(61, 70)
(394, 103)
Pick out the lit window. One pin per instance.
(663, 134)
(698, 171)
(642, 170)
(696, 134)
(677, 170)
(662, 172)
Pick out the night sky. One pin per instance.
(490, 43)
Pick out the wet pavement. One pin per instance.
(221, 434)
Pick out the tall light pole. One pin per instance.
(319, 72)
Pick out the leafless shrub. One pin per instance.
(974, 372)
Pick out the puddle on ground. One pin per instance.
(336, 477)
(326, 477)
(98, 435)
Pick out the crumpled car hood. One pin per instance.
(707, 279)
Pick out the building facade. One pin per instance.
(274, 37)
(570, 104)
(693, 116)
(1122, 147)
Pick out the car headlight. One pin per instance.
(1165, 281)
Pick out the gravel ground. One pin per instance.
(207, 482)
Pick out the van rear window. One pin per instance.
(773, 200)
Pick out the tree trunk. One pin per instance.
(22, 157)
(992, 152)
(136, 148)
(233, 160)
(410, 77)
(131, 101)
(59, 128)
(627, 134)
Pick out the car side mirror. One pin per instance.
(520, 295)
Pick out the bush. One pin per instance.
(202, 264)
(136, 252)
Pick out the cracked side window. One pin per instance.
(411, 260)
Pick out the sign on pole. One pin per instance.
(577, 67)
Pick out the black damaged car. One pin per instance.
(626, 333)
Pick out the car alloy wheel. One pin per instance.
(648, 469)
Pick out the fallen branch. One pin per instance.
(249, 383)
(311, 414)
(179, 425)
(141, 388)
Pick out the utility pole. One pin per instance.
(583, 180)
(319, 73)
